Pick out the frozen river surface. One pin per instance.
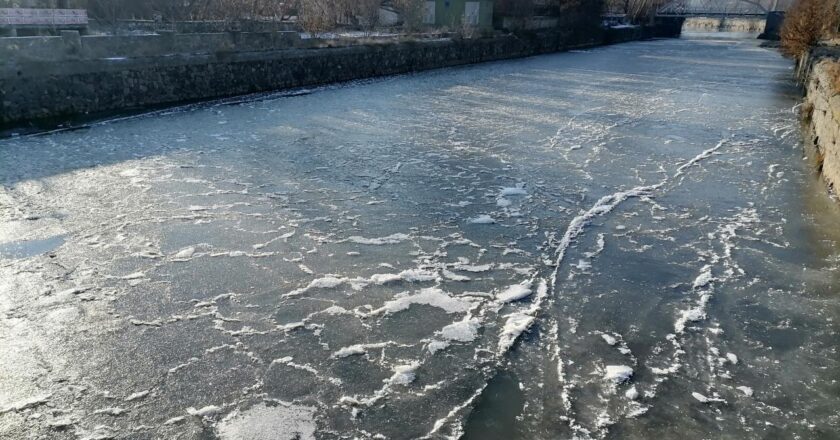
(619, 243)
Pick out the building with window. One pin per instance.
(457, 13)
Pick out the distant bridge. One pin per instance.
(721, 8)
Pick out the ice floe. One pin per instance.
(618, 373)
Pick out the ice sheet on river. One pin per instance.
(594, 236)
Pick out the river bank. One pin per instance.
(819, 74)
(70, 77)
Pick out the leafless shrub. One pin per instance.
(411, 12)
(807, 22)
(317, 15)
(366, 13)
(637, 11)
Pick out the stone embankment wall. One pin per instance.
(58, 78)
(819, 74)
(722, 24)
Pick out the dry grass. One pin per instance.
(806, 23)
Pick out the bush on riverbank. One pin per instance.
(806, 23)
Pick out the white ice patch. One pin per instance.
(515, 292)
(695, 160)
(205, 411)
(517, 191)
(583, 265)
(25, 404)
(475, 268)
(746, 390)
(692, 315)
(410, 275)
(335, 310)
(454, 276)
(618, 373)
(704, 399)
(357, 350)
(516, 324)
(113, 411)
(482, 219)
(328, 282)
(137, 396)
(404, 374)
(461, 331)
(432, 296)
(609, 339)
(732, 358)
(703, 279)
(264, 422)
(632, 393)
(184, 254)
(436, 346)
(391, 239)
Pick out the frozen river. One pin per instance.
(619, 243)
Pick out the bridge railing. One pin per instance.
(23, 17)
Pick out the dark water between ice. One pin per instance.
(624, 242)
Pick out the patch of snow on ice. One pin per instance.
(618, 373)
(185, 253)
(264, 422)
(517, 191)
(515, 292)
(404, 374)
(482, 219)
(137, 396)
(432, 296)
(410, 275)
(461, 331)
(205, 411)
(746, 390)
(358, 349)
(516, 324)
(703, 279)
(704, 399)
(391, 239)
(609, 339)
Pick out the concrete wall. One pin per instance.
(133, 27)
(45, 89)
(822, 101)
(71, 46)
(721, 24)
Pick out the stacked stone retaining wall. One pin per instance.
(822, 106)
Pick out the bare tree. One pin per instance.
(806, 23)
(636, 10)
(317, 15)
(411, 12)
(366, 13)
